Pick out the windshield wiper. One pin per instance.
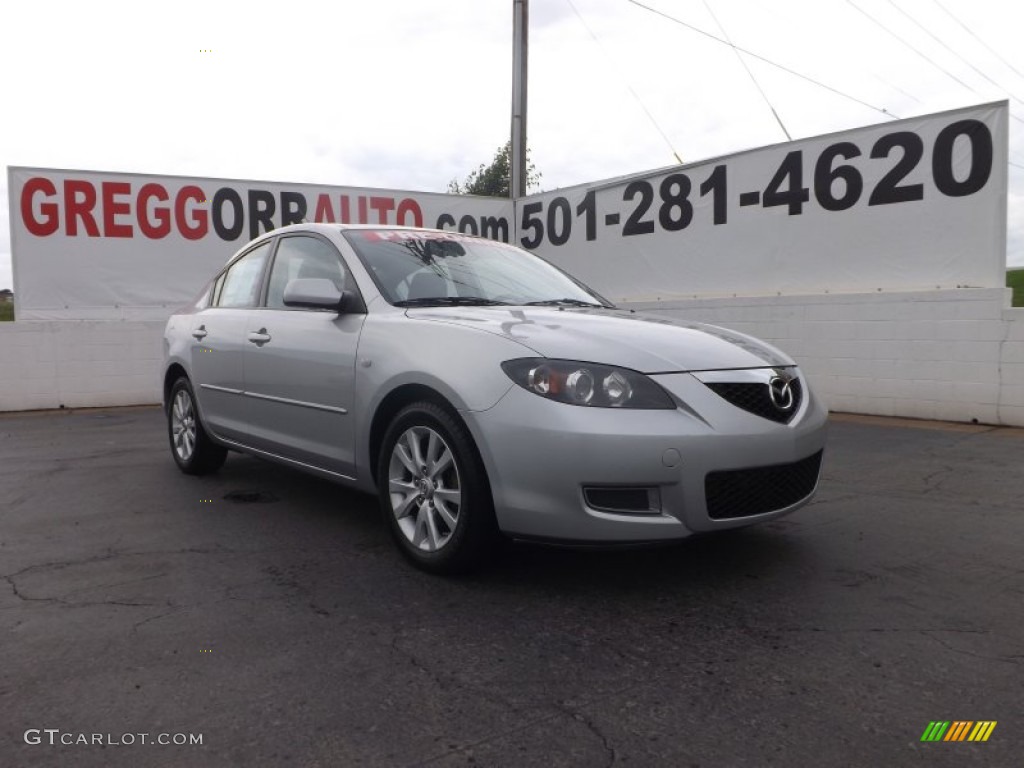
(451, 301)
(562, 302)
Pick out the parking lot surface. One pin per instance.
(268, 612)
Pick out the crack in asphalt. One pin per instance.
(447, 683)
(109, 555)
(1009, 659)
(579, 717)
(420, 666)
(18, 594)
(561, 712)
(112, 555)
(933, 480)
(10, 578)
(136, 625)
(116, 583)
(831, 499)
(486, 740)
(562, 708)
(921, 630)
(285, 580)
(864, 492)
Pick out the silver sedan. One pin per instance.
(482, 393)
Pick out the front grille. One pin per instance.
(744, 492)
(756, 398)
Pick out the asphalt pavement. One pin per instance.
(267, 613)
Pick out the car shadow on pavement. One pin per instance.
(719, 558)
(341, 518)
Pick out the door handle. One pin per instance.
(199, 333)
(259, 337)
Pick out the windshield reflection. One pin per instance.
(415, 266)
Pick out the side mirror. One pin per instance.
(315, 293)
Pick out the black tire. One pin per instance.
(183, 422)
(425, 534)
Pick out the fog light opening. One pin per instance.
(623, 500)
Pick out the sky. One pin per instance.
(407, 94)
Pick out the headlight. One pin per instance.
(601, 386)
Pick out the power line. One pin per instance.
(971, 33)
(793, 72)
(965, 61)
(624, 82)
(951, 49)
(887, 84)
(888, 31)
(925, 57)
(780, 13)
(738, 49)
(749, 72)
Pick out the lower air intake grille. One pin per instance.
(756, 398)
(744, 492)
(627, 500)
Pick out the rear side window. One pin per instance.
(240, 285)
(302, 257)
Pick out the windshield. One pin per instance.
(415, 268)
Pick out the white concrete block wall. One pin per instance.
(79, 364)
(956, 354)
(1012, 370)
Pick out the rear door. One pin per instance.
(219, 339)
(300, 363)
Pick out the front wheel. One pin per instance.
(434, 492)
(193, 450)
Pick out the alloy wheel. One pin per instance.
(424, 487)
(183, 425)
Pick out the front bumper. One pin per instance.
(540, 455)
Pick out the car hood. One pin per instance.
(644, 342)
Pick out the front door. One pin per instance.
(300, 364)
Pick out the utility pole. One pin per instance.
(520, 38)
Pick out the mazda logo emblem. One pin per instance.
(780, 390)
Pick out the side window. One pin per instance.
(240, 285)
(301, 257)
(215, 293)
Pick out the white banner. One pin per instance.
(110, 246)
(913, 204)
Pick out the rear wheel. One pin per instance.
(193, 450)
(434, 492)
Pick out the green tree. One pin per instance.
(494, 180)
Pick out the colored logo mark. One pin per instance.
(958, 730)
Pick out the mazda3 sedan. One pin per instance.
(482, 394)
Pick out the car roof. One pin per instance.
(333, 227)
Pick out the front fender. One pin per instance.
(463, 365)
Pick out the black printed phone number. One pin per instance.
(837, 185)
